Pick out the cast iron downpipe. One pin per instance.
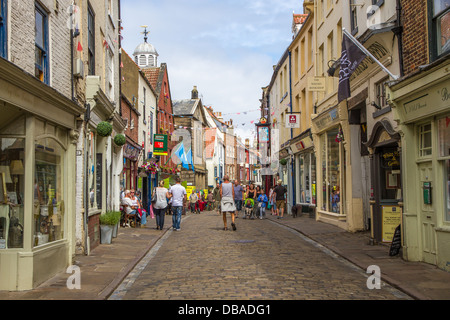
(398, 31)
(292, 131)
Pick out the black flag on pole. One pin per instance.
(351, 57)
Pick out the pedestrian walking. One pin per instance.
(178, 195)
(217, 197)
(227, 203)
(160, 195)
(262, 203)
(193, 198)
(280, 192)
(238, 197)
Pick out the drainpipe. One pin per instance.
(398, 31)
(292, 131)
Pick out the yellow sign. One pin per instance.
(205, 191)
(189, 190)
(317, 84)
(392, 218)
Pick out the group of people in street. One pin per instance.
(233, 198)
(227, 197)
(132, 205)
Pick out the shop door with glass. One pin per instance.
(427, 212)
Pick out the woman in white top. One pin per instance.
(161, 195)
(227, 203)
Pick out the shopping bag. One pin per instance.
(151, 212)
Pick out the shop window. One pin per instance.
(444, 137)
(440, 22)
(447, 190)
(12, 178)
(444, 154)
(3, 32)
(49, 208)
(425, 140)
(331, 165)
(41, 45)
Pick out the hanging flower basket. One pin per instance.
(340, 136)
(104, 129)
(283, 162)
(120, 140)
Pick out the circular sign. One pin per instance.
(263, 120)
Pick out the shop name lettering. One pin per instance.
(378, 51)
(415, 105)
(445, 94)
(332, 115)
(391, 158)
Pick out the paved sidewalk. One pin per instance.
(108, 265)
(103, 270)
(419, 280)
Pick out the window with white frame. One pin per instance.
(425, 140)
(440, 27)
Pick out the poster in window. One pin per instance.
(392, 180)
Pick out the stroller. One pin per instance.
(250, 208)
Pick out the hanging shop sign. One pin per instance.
(131, 152)
(293, 121)
(161, 145)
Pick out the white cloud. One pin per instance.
(225, 48)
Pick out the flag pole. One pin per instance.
(362, 48)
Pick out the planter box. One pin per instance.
(106, 232)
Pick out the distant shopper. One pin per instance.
(227, 203)
(238, 196)
(280, 192)
(262, 204)
(159, 207)
(217, 198)
(178, 195)
(193, 198)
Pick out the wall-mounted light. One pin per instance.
(375, 105)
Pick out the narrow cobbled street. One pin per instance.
(261, 260)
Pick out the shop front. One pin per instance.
(305, 171)
(37, 180)
(386, 194)
(335, 203)
(421, 105)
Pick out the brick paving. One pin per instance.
(259, 261)
(270, 259)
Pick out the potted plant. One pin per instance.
(117, 215)
(120, 140)
(104, 129)
(283, 162)
(108, 221)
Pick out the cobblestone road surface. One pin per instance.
(261, 260)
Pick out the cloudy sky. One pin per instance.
(226, 48)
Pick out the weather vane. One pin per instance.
(145, 33)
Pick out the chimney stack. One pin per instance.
(194, 93)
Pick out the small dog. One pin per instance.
(296, 210)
